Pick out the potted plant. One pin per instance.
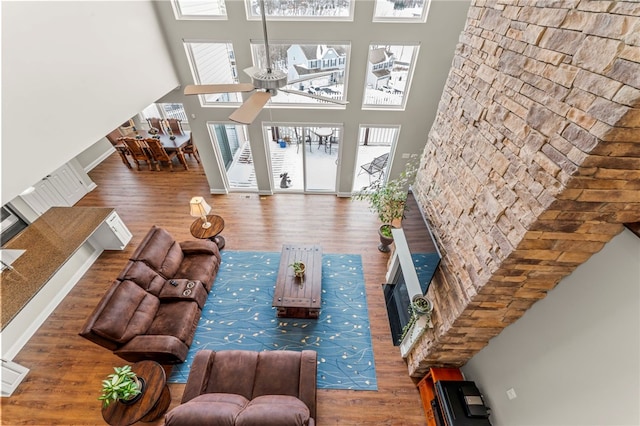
(387, 200)
(123, 385)
(298, 268)
(420, 306)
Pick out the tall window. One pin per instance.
(298, 10)
(401, 10)
(213, 63)
(199, 9)
(164, 111)
(375, 146)
(388, 75)
(315, 68)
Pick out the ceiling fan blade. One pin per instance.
(311, 76)
(321, 98)
(209, 89)
(251, 71)
(250, 109)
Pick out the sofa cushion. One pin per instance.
(142, 274)
(210, 409)
(129, 312)
(269, 377)
(201, 267)
(160, 251)
(233, 371)
(274, 410)
(178, 319)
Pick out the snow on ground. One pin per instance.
(321, 166)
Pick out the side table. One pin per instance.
(154, 401)
(211, 233)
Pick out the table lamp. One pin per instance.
(200, 208)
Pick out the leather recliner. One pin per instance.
(247, 388)
(152, 309)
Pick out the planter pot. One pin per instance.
(385, 241)
(421, 305)
(300, 273)
(142, 386)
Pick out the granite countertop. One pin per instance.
(49, 242)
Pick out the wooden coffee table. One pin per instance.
(154, 401)
(295, 297)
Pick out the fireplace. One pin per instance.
(412, 266)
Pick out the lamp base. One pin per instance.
(206, 225)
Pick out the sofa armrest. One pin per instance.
(198, 375)
(163, 349)
(200, 247)
(307, 389)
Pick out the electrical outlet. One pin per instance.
(511, 393)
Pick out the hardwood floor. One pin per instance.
(66, 370)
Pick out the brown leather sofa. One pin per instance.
(246, 388)
(152, 309)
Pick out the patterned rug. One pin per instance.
(238, 315)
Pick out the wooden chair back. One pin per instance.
(158, 152)
(113, 137)
(157, 123)
(175, 126)
(137, 151)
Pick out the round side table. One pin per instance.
(212, 232)
(154, 401)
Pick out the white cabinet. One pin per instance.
(12, 374)
(113, 234)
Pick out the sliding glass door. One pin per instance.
(303, 158)
(232, 148)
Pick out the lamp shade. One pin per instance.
(199, 207)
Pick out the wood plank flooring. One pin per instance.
(66, 370)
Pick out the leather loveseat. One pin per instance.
(246, 388)
(152, 309)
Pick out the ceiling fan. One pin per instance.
(266, 84)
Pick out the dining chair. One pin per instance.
(191, 149)
(137, 151)
(175, 126)
(115, 137)
(157, 123)
(159, 154)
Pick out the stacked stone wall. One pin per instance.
(532, 164)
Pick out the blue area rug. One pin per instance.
(238, 315)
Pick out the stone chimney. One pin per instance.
(532, 164)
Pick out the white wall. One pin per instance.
(72, 72)
(574, 357)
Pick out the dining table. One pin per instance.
(170, 142)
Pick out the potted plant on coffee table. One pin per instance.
(298, 268)
(387, 200)
(123, 385)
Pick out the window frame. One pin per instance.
(408, 83)
(177, 11)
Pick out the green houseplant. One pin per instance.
(298, 268)
(420, 306)
(387, 200)
(122, 385)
